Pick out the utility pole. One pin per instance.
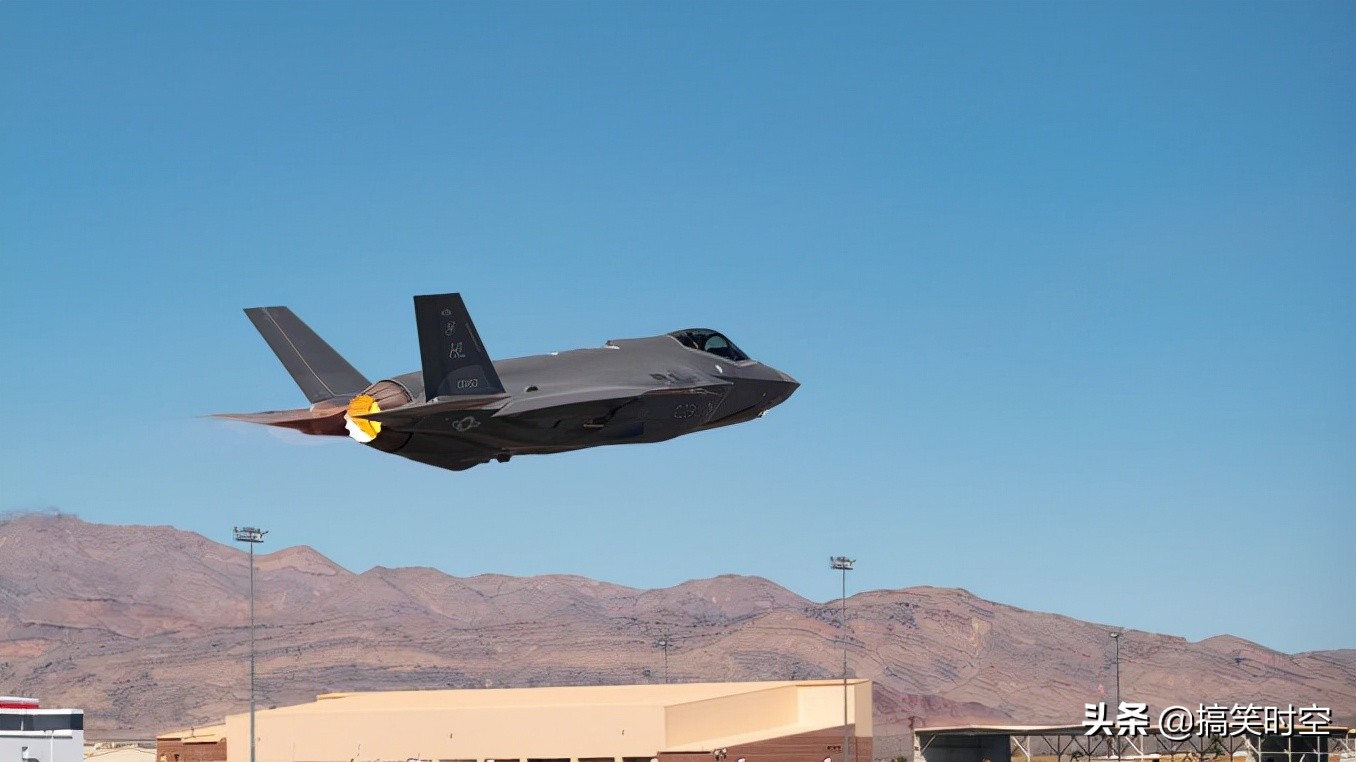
(1116, 636)
(665, 643)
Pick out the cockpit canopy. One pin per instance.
(707, 340)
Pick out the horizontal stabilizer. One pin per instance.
(455, 361)
(323, 421)
(319, 370)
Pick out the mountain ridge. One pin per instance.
(146, 629)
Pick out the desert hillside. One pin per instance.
(145, 628)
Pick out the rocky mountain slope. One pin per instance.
(146, 629)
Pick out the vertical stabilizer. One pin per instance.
(455, 361)
(319, 370)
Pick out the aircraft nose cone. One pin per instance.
(789, 386)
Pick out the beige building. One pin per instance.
(194, 745)
(791, 721)
(128, 752)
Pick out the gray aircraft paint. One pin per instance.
(625, 392)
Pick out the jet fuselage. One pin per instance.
(628, 391)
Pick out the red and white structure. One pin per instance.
(29, 733)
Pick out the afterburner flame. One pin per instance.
(362, 429)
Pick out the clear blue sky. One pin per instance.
(1069, 286)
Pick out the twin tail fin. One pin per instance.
(456, 366)
(455, 361)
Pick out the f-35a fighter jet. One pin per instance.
(462, 409)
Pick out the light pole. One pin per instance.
(252, 536)
(665, 643)
(843, 564)
(1116, 636)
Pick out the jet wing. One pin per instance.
(620, 395)
(410, 414)
(587, 401)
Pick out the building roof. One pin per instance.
(1059, 730)
(210, 734)
(1016, 730)
(658, 695)
(120, 754)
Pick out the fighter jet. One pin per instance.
(462, 410)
